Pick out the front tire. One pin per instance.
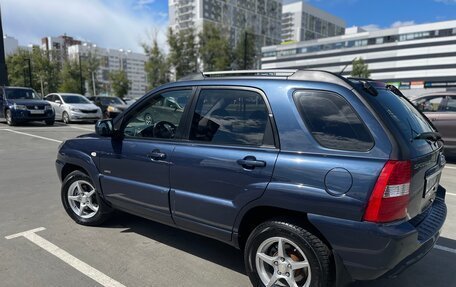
(66, 118)
(49, 122)
(9, 118)
(278, 253)
(82, 201)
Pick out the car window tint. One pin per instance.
(451, 105)
(332, 121)
(159, 117)
(230, 117)
(429, 104)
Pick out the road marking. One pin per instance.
(66, 257)
(449, 193)
(447, 249)
(84, 129)
(35, 136)
(450, 167)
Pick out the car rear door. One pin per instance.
(135, 169)
(227, 162)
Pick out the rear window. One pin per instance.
(404, 115)
(332, 121)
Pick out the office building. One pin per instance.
(58, 46)
(303, 22)
(411, 57)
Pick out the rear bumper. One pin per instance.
(368, 251)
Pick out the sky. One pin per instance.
(126, 24)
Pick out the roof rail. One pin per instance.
(320, 76)
(267, 73)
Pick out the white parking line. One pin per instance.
(447, 249)
(30, 135)
(450, 167)
(66, 257)
(449, 193)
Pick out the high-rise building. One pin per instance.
(58, 46)
(260, 17)
(302, 22)
(11, 45)
(114, 60)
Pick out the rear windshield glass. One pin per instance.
(332, 121)
(404, 115)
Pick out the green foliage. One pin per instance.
(45, 70)
(183, 53)
(245, 51)
(71, 78)
(119, 83)
(214, 48)
(157, 66)
(90, 64)
(360, 68)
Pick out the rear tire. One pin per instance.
(82, 201)
(9, 118)
(304, 260)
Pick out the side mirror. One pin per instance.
(104, 128)
(58, 102)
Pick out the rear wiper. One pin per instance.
(432, 136)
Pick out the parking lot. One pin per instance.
(127, 250)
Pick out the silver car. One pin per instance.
(73, 108)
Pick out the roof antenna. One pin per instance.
(343, 70)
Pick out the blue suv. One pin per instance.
(321, 180)
(20, 105)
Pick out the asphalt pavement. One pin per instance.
(128, 250)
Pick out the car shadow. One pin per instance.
(436, 269)
(202, 247)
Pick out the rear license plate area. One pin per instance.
(431, 184)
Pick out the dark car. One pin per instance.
(317, 178)
(440, 108)
(110, 106)
(20, 105)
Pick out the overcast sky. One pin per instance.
(127, 23)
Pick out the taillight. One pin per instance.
(390, 197)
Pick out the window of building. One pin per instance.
(230, 117)
(332, 121)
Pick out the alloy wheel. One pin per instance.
(82, 199)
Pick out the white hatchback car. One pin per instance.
(73, 108)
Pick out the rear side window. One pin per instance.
(451, 105)
(332, 121)
(231, 117)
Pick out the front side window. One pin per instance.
(159, 117)
(332, 121)
(230, 117)
(429, 105)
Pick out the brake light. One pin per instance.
(390, 197)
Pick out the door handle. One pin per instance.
(250, 162)
(157, 155)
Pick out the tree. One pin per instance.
(360, 68)
(90, 65)
(157, 67)
(183, 54)
(245, 51)
(17, 64)
(70, 78)
(214, 48)
(119, 83)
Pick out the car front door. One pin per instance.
(432, 108)
(447, 122)
(2, 103)
(227, 162)
(135, 168)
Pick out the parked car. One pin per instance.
(440, 108)
(110, 106)
(317, 178)
(20, 105)
(73, 108)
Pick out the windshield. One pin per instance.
(75, 99)
(111, 101)
(21, 94)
